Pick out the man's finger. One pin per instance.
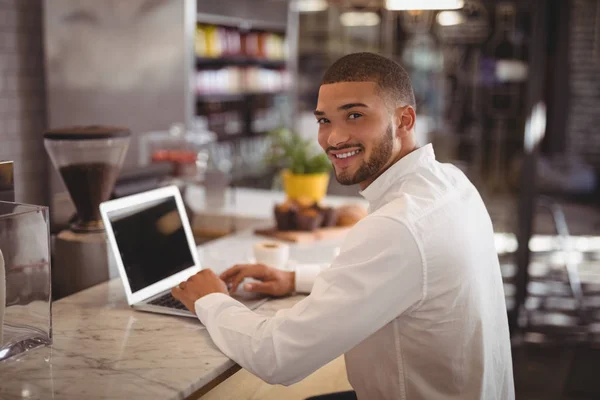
(206, 273)
(256, 271)
(261, 287)
(196, 276)
(238, 279)
(177, 293)
(232, 271)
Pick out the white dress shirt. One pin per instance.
(414, 300)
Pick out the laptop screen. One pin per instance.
(152, 242)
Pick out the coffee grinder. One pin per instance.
(89, 160)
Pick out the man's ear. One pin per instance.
(405, 120)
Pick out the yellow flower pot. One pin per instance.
(305, 186)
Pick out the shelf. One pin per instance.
(224, 97)
(241, 23)
(242, 61)
(220, 97)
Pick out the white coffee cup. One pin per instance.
(272, 254)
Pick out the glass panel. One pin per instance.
(25, 294)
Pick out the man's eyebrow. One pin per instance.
(344, 107)
(351, 105)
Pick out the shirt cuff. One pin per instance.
(305, 277)
(203, 304)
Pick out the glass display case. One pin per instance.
(25, 279)
(183, 149)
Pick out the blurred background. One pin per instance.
(509, 91)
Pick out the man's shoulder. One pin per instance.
(379, 227)
(423, 194)
(390, 215)
(406, 207)
(395, 209)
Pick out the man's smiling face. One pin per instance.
(356, 130)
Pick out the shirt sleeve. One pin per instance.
(377, 276)
(306, 276)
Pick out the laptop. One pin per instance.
(151, 240)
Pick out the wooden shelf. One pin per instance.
(207, 62)
(220, 97)
(241, 23)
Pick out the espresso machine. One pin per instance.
(88, 159)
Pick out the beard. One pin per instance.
(380, 155)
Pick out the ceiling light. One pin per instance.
(359, 18)
(305, 6)
(424, 4)
(449, 18)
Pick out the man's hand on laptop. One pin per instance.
(203, 283)
(272, 281)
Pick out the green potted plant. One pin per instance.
(305, 170)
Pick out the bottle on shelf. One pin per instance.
(234, 43)
(200, 41)
(250, 45)
(216, 42)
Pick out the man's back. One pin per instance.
(454, 343)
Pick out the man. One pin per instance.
(415, 298)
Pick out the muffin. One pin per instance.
(350, 215)
(308, 219)
(329, 216)
(285, 216)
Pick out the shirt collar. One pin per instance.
(396, 171)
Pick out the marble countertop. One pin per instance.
(102, 349)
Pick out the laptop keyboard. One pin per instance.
(167, 300)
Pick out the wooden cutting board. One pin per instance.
(303, 236)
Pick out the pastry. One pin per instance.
(308, 219)
(329, 215)
(285, 216)
(350, 214)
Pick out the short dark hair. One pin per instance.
(391, 78)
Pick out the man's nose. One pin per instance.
(337, 138)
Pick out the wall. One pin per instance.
(121, 63)
(22, 97)
(584, 115)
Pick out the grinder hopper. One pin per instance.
(88, 159)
